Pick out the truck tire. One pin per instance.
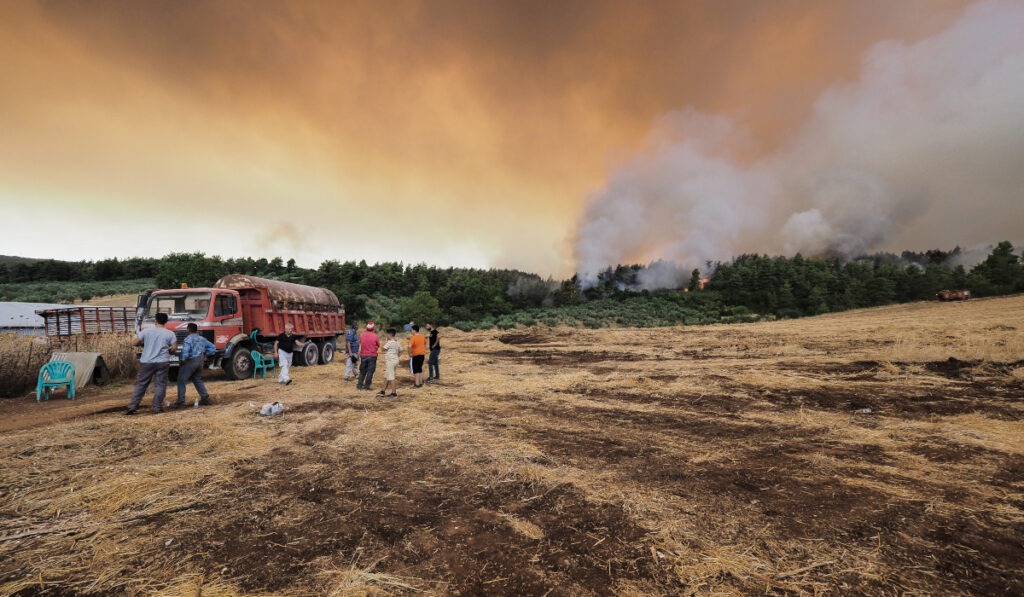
(327, 352)
(239, 365)
(308, 355)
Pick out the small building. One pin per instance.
(22, 319)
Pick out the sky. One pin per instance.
(486, 134)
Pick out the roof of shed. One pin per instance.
(23, 315)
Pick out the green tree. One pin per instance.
(466, 296)
(786, 302)
(568, 292)
(421, 307)
(958, 279)
(694, 281)
(276, 266)
(108, 269)
(817, 301)
(194, 269)
(1001, 272)
(881, 289)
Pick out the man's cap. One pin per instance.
(369, 325)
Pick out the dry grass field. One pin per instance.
(712, 460)
(113, 300)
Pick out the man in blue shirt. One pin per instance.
(351, 352)
(193, 356)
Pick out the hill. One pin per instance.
(13, 259)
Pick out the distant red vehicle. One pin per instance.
(953, 295)
(242, 313)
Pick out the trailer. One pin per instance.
(242, 313)
(62, 323)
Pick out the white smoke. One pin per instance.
(661, 274)
(923, 148)
(971, 256)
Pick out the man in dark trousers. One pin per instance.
(352, 352)
(157, 345)
(434, 344)
(369, 346)
(193, 356)
(284, 346)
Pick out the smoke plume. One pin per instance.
(923, 149)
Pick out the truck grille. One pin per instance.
(180, 335)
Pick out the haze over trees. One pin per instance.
(748, 287)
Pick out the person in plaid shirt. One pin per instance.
(192, 357)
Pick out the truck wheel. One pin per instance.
(239, 366)
(308, 354)
(327, 352)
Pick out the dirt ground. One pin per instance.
(704, 460)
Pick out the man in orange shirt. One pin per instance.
(417, 350)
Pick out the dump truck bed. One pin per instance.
(267, 305)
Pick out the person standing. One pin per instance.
(284, 346)
(193, 357)
(417, 352)
(369, 344)
(351, 352)
(157, 345)
(433, 368)
(392, 350)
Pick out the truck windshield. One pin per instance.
(179, 305)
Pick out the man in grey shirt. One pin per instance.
(157, 345)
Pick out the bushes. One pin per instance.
(505, 323)
(483, 324)
(659, 309)
(383, 310)
(525, 318)
(70, 292)
(549, 320)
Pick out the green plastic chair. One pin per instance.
(54, 375)
(262, 363)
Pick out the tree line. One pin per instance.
(749, 285)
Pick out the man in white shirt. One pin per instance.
(392, 348)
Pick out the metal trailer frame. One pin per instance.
(83, 321)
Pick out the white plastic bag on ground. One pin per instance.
(272, 409)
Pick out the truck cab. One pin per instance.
(215, 311)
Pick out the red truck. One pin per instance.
(242, 313)
(953, 295)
